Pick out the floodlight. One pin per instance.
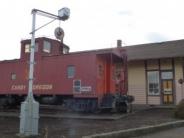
(64, 13)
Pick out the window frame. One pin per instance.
(70, 71)
(27, 47)
(13, 76)
(76, 87)
(154, 87)
(45, 48)
(166, 76)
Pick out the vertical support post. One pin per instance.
(31, 63)
(30, 108)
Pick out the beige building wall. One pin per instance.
(136, 81)
(154, 100)
(179, 75)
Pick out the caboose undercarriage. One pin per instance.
(109, 102)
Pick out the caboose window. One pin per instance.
(13, 76)
(71, 71)
(76, 85)
(28, 48)
(46, 46)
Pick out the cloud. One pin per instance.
(156, 37)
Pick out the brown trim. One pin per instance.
(152, 70)
(174, 80)
(183, 67)
(160, 80)
(145, 67)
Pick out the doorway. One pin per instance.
(167, 87)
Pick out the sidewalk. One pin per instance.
(144, 131)
(170, 133)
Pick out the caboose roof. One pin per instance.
(100, 51)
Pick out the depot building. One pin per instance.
(156, 72)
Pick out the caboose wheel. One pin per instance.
(121, 107)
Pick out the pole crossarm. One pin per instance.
(47, 14)
(42, 26)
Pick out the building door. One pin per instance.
(167, 87)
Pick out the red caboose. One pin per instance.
(84, 80)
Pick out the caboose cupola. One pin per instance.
(43, 47)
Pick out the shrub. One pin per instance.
(179, 111)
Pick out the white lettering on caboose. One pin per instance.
(35, 87)
(18, 87)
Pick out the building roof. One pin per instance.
(166, 49)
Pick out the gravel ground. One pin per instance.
(76, 128)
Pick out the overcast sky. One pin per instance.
(93, 23)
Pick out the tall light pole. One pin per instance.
(29, 115)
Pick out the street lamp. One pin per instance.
(64, 13)
(29, 115)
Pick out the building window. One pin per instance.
(76, 85)
(46, 47)
(28, 48)
(153, 83)
(13, 76)
(167, 75)
(71, 71)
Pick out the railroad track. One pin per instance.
(44, 109)
(60, 112)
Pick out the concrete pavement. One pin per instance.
(130, 133)
(170, 133)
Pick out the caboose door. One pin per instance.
(108, 77)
